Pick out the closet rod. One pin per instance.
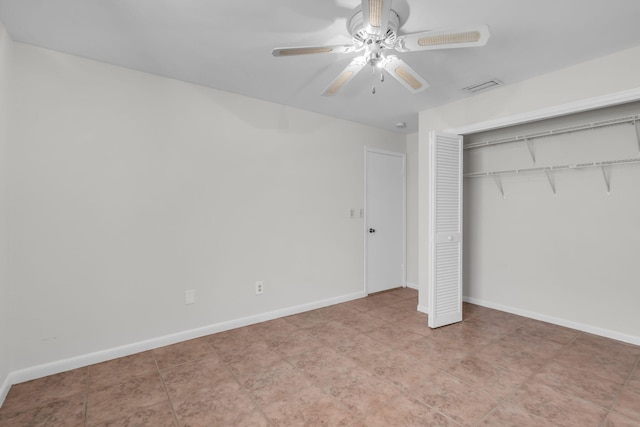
(554, 132)
(554, 168)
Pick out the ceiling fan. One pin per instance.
(374, 31)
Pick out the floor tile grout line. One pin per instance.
(166, 390)
(391, 349)
(228, 368)
(86, 398)
(325, 390)
(358, 365)
(617, 396)
(257, 406)
(157, 371)
(421, 402)
(123, 381)
(506, 398)
(614, 400)
(496, 399)
(50, 401)
(545, 361)
(402, 392)
(537, 371)
(572, 395)
(488, 414)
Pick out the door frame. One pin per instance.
(403, 156)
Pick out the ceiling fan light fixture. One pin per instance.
(374, 31)
(408, 78)
(465, 37)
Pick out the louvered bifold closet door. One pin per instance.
(445, 229)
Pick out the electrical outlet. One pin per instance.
(259, 287)
(190, 296)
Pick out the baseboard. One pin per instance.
(631, 339)
(412, 286)
(56, 367)
(423, 309)
(4, 388)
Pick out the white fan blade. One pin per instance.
(345, 76)
(407, 77)
(292, 51)
(444, 39)
(375, 16)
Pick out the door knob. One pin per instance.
(372, 230)
(450, 238)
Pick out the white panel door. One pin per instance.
(445, 229)
(385, 216)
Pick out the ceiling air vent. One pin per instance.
(481, 87)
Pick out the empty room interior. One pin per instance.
(342, 213)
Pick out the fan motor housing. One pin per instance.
(355, 25)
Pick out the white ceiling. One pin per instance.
(227, 45)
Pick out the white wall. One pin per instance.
(412, 210)
(128, 189)
(600, 77)
(513, 281)
(5, 340)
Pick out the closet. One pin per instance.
(552, 219)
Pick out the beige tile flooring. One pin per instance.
(369, 362)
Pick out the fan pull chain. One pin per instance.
(373, 87)
(373, 75)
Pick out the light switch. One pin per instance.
(190, 296)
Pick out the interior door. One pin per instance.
(445, 229)
(385, 220)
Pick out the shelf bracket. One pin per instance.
(551, 179)
(498, 181)
(532, 150)
(635, 125)
(606, 174)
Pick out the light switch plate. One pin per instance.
(190, 296)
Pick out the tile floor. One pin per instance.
(369, 362)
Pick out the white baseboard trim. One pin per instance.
(423, 309)
(56, 367)
(412, 286)
(4, 388)
(631, 339)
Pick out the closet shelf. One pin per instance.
(554, 168)
(634, 120)
(549, 170)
